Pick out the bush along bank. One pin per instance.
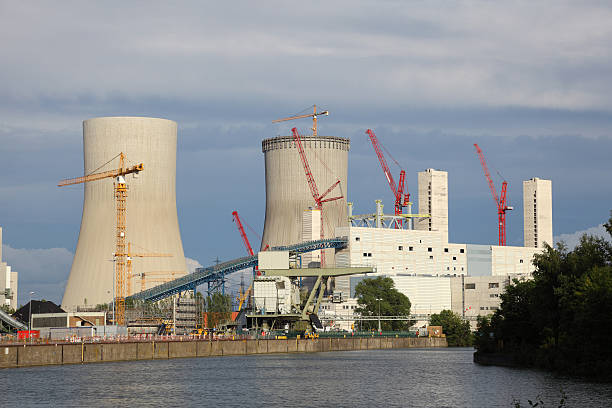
(562, 319)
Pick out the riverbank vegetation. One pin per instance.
(457, 330)
(562, 318)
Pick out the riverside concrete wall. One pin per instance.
(39, 355)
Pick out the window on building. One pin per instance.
(445, 249)
(429, 249)
(365, 254)
(482, 308)
(470, 286)
(369, 254)
(521, 261)
(493, 307)
(400, 248)
(448, 268)
(357, 239)
(430, 256)
(410, 248)
(494, 295)
(462, 268)
(454, 258)
(454, 268)
(462, 250)
(493, 285)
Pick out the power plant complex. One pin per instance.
(130, 246)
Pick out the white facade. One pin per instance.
(433, 200)
(537, 208)
(427, 294)
(8, 282)
(397, 251)
(338, 315)
(311, 231)
(423, 266)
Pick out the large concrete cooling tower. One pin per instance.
(287, 191)
(151, 218)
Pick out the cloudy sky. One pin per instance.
(528, 81)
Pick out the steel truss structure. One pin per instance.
(214, 276)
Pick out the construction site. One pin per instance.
(129, 276)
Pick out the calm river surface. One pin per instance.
(399, 378)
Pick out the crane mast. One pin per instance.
(398, 192)
(319, 199)
(120, 256)
(129, 257)
(500, 201)
(247, 244)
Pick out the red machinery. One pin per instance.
(319, 199)
(398, 192)
(500, 202)
(247, 244)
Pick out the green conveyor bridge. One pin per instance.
(217, 273)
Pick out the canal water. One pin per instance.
(374, 378)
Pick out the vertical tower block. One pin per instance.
(537, 212)
(433, 200)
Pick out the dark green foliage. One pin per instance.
(457, 330)
(562, 319)
(393, 303)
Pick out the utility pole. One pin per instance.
(30, 328)
(379, 330)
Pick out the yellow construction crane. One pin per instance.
(312, 115)
(120, 188)
(131, 255)
(144, 277)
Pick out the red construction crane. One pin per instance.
(247, 244)
(500, 202)
(318, 198)
(398, 192)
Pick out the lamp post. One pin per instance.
(114, 274)
(379, 330)
(30, 325)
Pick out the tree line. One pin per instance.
(562, 318)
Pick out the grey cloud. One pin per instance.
(44, 271)
(572, 240)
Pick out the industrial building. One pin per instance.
(435, 274)
(8, 296)
(151, 223)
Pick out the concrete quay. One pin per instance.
(13, 356)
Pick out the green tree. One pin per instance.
(562, 319)
(392, 303)
(456, 329)
(218, 308)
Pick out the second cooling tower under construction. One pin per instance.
(288, 194)
(151, 219)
